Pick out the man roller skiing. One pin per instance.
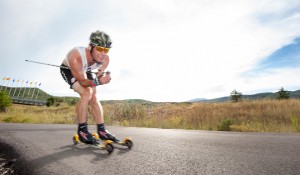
(80, 61)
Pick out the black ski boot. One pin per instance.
(84, 135)
(105, 135)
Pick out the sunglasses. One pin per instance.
(101, 49)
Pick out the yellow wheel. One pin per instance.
(96, 135)
(75, 141)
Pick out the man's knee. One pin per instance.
(94, 99)
(86, 94)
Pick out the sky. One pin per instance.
(162, 51)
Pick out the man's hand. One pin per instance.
(104, 79)
(102, 74)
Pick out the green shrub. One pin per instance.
(50, 101)
(5, 101)
(225, 125)
(8, 120)
(26, 120)
(72, 102)
(295, 123)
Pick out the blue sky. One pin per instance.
(287, 56)
(171, 50)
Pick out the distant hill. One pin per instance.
(37, 94)
(197, 99)
(295, 94)
(40, 95)
(140, 101)
(265, 95)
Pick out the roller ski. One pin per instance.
(88, 139)
(109, 137)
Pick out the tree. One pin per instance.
(282, 94)
(235, 96)
(50, 101)
(5, 101)
(72, 102)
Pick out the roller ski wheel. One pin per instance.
(76, 139)
(126, 142)
(109, 148)
(107, 145)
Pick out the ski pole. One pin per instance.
(65, 67)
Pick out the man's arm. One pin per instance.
(76, 69)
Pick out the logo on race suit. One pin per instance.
(89, 69)
(73, 80)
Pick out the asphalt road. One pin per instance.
(48, 149)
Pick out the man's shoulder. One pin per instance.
(74, 55)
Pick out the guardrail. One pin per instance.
(29, 102)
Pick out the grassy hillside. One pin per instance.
(30, 93)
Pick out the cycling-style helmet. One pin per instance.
(100, 38)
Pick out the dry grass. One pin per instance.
(38, 114)
(262, 115)
(257, 116)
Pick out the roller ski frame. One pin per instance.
(126, 142)
(106, 145)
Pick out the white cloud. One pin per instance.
(171, 50)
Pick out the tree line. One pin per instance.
(281, 94)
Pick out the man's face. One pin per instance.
(101, 53)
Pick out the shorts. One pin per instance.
(68, 76)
